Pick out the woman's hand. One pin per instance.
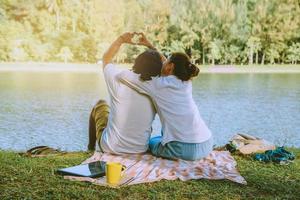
(127, 37)
(144, 41)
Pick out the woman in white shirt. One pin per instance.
(184, 133)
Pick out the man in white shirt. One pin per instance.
(125, 126)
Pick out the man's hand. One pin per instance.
(137, 38)
(124, 38)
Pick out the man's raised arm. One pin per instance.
(114, 48)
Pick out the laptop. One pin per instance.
(93, 169)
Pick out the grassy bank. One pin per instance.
(34, 178)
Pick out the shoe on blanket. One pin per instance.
(42, 151)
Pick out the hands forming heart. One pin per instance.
(137, 38)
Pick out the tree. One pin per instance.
(215, 50)
(65, 54)
(231, 54)
(272, 54)
(294, 53)
(217, 31)
(53, 7)
(254, 46)
(18, 53)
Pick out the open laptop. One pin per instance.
(93, 169)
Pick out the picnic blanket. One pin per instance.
(145, 168)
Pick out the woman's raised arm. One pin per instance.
(145, 42)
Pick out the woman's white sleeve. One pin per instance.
(132, 80)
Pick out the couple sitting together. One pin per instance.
(154, 85)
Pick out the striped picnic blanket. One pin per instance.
(145, 168)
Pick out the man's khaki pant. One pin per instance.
(97, 123)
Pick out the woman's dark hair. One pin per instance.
(183, 68)
(148, 64)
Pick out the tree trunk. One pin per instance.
(263, 59)
(256, 58)
(57, 21)
(251, 56)
(73, 25)
(203, 56)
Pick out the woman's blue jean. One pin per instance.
(180, 150)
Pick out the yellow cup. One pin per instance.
(113, 172)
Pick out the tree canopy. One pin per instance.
(210, 31)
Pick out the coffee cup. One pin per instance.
(114, 172)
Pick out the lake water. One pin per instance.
(53, 108)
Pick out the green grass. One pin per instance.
(34, 178)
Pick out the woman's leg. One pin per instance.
(168, 150)
(154, 144)
(98, 121)
(197, 151)
(179, 150)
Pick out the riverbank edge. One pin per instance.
(96, 68)
(264, 181)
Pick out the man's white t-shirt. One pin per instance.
(179, 115)
(131, 115)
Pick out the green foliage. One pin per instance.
(294, 53)
(211, 31)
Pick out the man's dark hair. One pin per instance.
(148, 64)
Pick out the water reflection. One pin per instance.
(53, 108)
